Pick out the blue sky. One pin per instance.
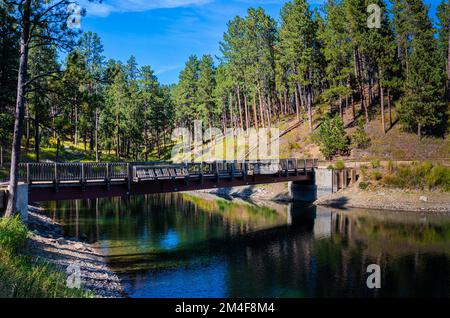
(164, 33)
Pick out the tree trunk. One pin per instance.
(58, 145)
(97, 155)
(36, 137)
(247, 123)
(309, 100)
(361, 84)
(240, 107)
(19, 112)
(297, 106)
(255, 114)
(383, 121)
(260, 107)
(419, 130)
(231, 111)
(75, 137)
(389, 107)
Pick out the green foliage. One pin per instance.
(331, 137)
(377, 175)
(375, 163)
(364, 185)
(339, 165)
(419, 176)
(360, 138)
(438, 177)
(21, 276)
(13, 234)
(423, 106)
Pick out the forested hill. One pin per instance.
(329, 67)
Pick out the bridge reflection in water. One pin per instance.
(178, 245)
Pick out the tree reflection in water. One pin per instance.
(180, 245)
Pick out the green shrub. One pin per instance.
(390, 167)
(438, 177)
(376, 175)
(364, 185)
(339, 165)
(419, 176)
(363, 170)
(332, 138)
(360, 139)
(375, 163)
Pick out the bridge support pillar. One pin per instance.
(322, 185)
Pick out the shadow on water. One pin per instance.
(181, 245)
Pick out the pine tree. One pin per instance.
(423, 106)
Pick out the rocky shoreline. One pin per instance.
(375, 199)
(388, 199)
(47, 243)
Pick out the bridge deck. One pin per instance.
(64, 181)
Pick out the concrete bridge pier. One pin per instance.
(310, 192)
(21, 204)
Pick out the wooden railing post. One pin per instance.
(56, 176)
(201, 172)
(28, 174)
(129, 173)
(304, 167)
(83, 177)
(216, 164)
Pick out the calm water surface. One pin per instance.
(178, 245)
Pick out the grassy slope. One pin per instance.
(22, 276)
(395, 145)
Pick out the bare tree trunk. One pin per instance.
(97, 155)
(361, 84)
(36, 138)
(297, 106)
(58, 146)
(260, 107)
(19, 113)
(146, 143)
(309, 100)
(231, 111)
(383, 121)
(255, 114)
(240, 107)
(75, 137)
(389, 106)
(247, 123)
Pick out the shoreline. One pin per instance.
(376, 199)
(47, 243)
(388, 200)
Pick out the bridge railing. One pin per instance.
(108, 171)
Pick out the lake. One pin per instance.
(181, 245)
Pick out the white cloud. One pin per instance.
(108, 6)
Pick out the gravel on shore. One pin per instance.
(388, 199)
(47, 243)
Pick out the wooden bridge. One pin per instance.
(68, 181)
